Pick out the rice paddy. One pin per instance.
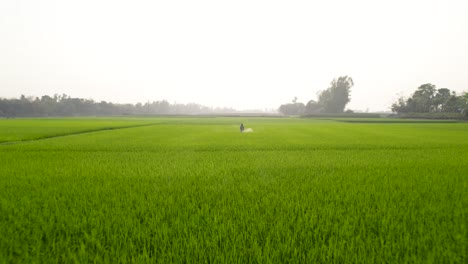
(191, 190)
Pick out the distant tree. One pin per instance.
(465, 97)
(335, 98)
(293, 108)
(464, 101)
(401, 106)
(428, 99)
(64, 105)
(424, 98)
(313, 107)
(440, 99)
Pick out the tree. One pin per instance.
(424, 98)
(453, 104)
(335, 98)
(441, 98)
(293, 108)
(464, 101)
(64, 105)
(428, 99)
(313, 107)
(401, 106)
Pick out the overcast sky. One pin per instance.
(242, 54)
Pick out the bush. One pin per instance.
(343, 115)
(457, 116)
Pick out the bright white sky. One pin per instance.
(243, 54)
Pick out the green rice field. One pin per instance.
(196, 190)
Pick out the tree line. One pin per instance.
(330, 101)
(428, 99)
(64, 105)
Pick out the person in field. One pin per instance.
(242, 128)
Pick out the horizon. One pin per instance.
(247, 111)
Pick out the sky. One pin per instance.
(242, 54)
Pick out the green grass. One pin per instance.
(30, 129)
(197, 190)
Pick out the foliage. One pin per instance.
(313, 107)
(428, 99)
(196, 190)
(294, 108)
(436, 115)
(343, 115)
(64, 105)
(332, 101)
(335, 98)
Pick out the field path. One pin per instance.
(76, 133)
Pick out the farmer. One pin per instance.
(242, 128)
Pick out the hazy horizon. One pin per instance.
(240, 54)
